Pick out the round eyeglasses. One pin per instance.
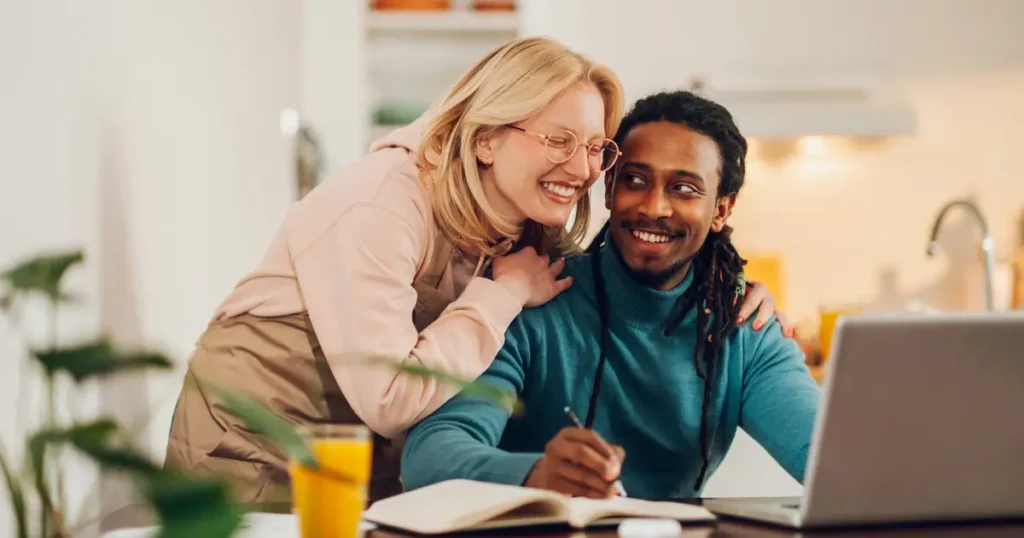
(561, 146)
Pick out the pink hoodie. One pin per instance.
(348, 254)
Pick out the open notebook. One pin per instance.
(461, 505)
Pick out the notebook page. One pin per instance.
(458, 504)
(583, 511)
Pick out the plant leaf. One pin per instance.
(37, 455)
(97, 358)
(504, 399)
(16, 494)
(120, 458)
(43, 274)
(190, 507)
(264, 421)
(94, 439)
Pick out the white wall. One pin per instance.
(146, 133)
(205, 172)
(336, 99)
(45, 188)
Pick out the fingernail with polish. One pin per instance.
(739, 320)
(757, 325)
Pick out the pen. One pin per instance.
(576, 420)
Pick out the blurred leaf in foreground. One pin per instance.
(97, 358)
(262, 420)
(192, 507)
(16, 495)
(97, 440)
(43, 274)
(504, 399)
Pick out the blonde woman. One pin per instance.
(423, 251)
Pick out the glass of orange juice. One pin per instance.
(828, 318)
(329, 501)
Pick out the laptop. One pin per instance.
(921, 421)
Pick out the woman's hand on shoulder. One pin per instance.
(530, 276)
(758, 298)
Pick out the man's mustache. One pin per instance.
(653, 225)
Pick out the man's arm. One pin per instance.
(780, 400)
(459, 440)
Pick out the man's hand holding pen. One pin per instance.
(579, 463)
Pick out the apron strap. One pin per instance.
(439, 260)
(432, 302)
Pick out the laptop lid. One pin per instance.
(922, 419)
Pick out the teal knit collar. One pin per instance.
(631, 302)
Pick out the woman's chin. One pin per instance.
(551, 218)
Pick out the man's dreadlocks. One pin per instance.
(718, 283)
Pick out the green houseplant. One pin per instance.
(185, 506)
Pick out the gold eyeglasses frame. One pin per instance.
(607, 143)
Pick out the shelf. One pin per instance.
(443, 21)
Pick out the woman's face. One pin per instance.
(518, 168)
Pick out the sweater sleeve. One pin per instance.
(460, 440)
(357, 282)
(780, 400)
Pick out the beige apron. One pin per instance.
(278, 362)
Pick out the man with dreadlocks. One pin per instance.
(646, 345)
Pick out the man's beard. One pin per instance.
(657, 278)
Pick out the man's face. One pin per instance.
(663, 200)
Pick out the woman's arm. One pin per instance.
(357, 284)
(470, 428)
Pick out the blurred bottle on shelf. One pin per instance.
(494, 5)
(411, 5)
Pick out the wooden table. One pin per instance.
(137, 516)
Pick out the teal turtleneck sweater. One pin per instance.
(650, 397)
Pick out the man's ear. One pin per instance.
(723, 208)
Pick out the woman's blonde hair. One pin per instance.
(508, 85)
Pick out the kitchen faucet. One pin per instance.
(987, 244)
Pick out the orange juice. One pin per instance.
(330, 502)
(829, 317)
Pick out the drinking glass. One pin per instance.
(828, 317)
(330, 501)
